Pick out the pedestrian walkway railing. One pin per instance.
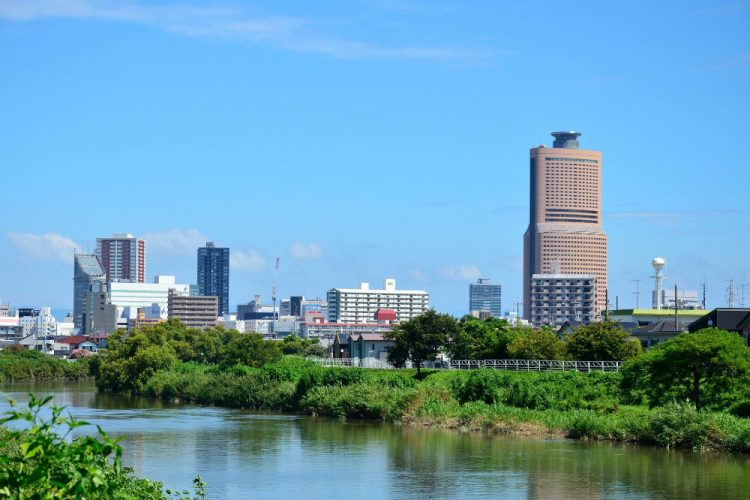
(518, 365)
(353, 362)
(533, 365)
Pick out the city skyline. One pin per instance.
(360, 137)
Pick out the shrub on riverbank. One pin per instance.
(570, 404)
(34, 365)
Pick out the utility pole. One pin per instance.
(518, 314)
(676, 323)
(637, 293)
(606, 304)
(704, 293)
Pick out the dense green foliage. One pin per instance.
(292, 344)
(133, 358)
(605, 341)
(421, 338)
(16, 366)
(226, 368)
(711, 368)
(537, 344)
(42, 463)
(493, 338)
(481, 339)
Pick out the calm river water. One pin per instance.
(244, 454)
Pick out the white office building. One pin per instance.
(128, 297)
(358, 305)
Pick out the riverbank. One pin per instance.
(35, 366)
(561, 404)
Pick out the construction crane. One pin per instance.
(273, 295)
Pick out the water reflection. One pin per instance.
(242, 454)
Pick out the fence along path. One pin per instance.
(534, 365)
(519, 365)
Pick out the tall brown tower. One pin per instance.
(565, 217)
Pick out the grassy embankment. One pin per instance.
(576, 405)
(33, 365)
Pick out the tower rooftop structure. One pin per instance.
(566, 139)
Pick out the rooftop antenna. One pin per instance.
(658, 264)
(730, 294)
(637, 293)
(742, 294)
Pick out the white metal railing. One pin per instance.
(353, 362)
(534, 365)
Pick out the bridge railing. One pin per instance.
(523, 365)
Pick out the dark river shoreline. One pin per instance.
(249, 454)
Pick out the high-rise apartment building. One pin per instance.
(484, 297)
(123, 257)
(213, 274)
(359, 305)
(565, 216)
(88, 276)
(557, 298)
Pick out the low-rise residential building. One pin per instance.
(369, 345)
(734, 320)
(64, 346)
(643, 317)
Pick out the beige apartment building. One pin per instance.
(565, 224)
(194, 311)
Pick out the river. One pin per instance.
(247, 454)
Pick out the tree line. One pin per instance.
(424, 337)
(710, 368)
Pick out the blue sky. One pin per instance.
(359, 140)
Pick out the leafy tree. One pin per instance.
(421, 338)
(604, 341)
(710, 367)
(481, 339)
(250, 349)
(292, 344)
(536, 344)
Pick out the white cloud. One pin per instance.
(463, 272)
(419, 275)
(287, 33)
(306, 251)
(175, 241)
(47, 246)
(246, 260)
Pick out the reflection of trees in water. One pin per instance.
(447, 463)
(439, 463)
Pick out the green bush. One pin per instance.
(362, 401)
(18, 366)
